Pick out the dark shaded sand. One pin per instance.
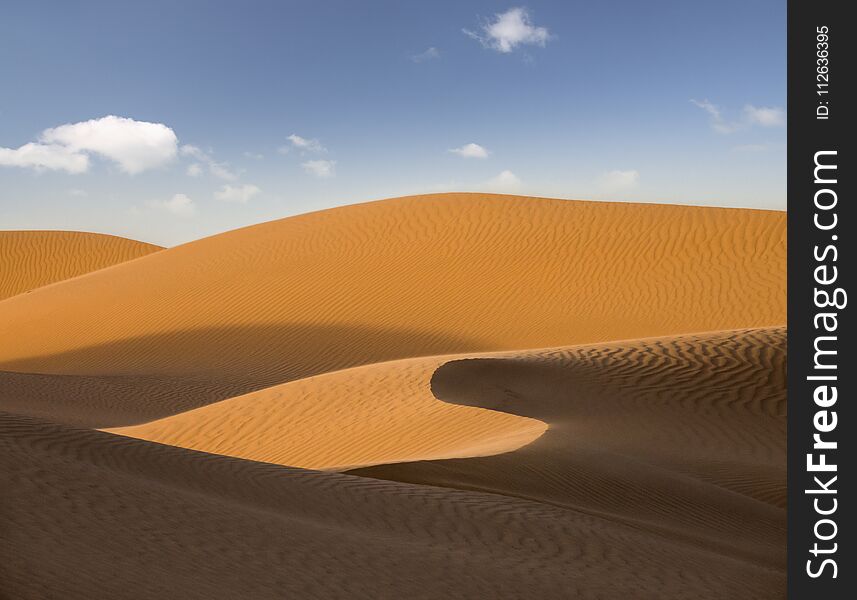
(90, 515)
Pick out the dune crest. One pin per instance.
(380, 413)
(32, 259)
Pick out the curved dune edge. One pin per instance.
(380, 413)
(33, 259)
(91, 515)
(683, 435)
(414, 276)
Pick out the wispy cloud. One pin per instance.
(505, 181)
(764, 116)
(305, 144)
(616, 181)
(221, 170)
(431, 53)
(180, 205)
(238, 193)
(135, 146)
(320, 168)
(508, 30)
(470, 151)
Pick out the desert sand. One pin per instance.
(32, 259)
(444, 396)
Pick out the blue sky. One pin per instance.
(232, 113)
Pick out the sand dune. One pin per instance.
(32, 259)
(380, 413)
(102, 516)
(111, 400)
(416, 276)
(524, 398)
(683, 435)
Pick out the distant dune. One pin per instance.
(31, 259)
(442, 396)
(416, 276)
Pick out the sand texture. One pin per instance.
(446, 396)
(32, 259)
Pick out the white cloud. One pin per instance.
(78, 193)
(220, 170)
(134, 145)
(179, 205)
(470, 151)
(193, 151)
(53, 157)
(509, 30)
(305, 144)
(506, 181)
(254, 155)
(238, 193)
(715, 115)
(320, 168)
(429, 54)
(616, 181)
(766, 116)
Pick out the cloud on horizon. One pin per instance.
(505, 181)
(135, 146)
(616, 181)
(509, 30)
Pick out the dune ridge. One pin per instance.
(414, 276)
(32, 259)
(379, 413)
(683, 435)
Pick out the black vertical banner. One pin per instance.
(822, 370)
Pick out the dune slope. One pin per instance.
(89, 515)
(380, 413)
(32, 259)
(684, 436)
(415, 276)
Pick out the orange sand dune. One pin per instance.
(533, 399)
(31, 259)
(111, 400)
(416, 276)
(684, 436)
(90, 515)
(380, 413)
